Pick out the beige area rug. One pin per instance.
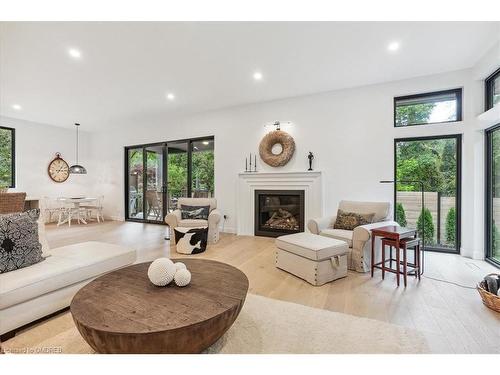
(264, 326)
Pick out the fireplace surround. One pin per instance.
(279, 212)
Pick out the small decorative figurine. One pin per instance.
(310, 157)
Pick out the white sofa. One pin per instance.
(39, 290)
(174, 219)
(359, 239)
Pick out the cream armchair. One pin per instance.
(174, 219)
(359, 239)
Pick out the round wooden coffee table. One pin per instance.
(122, 312)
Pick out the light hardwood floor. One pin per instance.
(452, 318)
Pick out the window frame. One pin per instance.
(458, 92)
(13, 155)
(488, 202)
(488, 89)
(458, 197)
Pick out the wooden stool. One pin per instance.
(405, 245)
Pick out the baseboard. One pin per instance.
(478, 255)
(228, 230)
(116, 218)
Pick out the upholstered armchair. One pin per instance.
(174, 219)
(359, 239)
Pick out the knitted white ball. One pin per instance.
(161, 271)
(180, 266)
(182, 277)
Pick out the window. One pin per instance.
(433, 162)
(429, 108)
(7, 157)
(157, 175)
(493, 194)
(493, 90)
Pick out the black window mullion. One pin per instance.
(189, 168)
(144, 181)
(12, 131)
(489, 175)
(489, 89)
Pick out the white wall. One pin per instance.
(36, 145)
(350, 132)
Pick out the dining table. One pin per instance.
(77, 202)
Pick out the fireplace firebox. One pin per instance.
(279, 212)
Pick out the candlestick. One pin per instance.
(250, 162)
(246, 164)
(255, 164)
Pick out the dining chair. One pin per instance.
(97, 208)
(154, 204)
(50, 207)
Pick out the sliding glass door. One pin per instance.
(431, 164)
(157, 175)
(493, 194)
(178, 175)
(145, 182)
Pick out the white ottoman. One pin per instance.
(314, 258)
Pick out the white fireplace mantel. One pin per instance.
(248, 182)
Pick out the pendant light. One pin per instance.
(76, 168)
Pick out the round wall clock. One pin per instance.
(58, 169)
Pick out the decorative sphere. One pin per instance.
(180, 266)
(182, 277)
(161, 271)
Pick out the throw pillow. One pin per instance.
(19, 246)
(195, 212)
(351, 220)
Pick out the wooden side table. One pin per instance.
(395, 233)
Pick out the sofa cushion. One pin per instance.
(311, 246)
(192, 223)
(66, 266)
(19, 244)
(339, 234)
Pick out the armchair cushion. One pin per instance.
(338, 234)
(192, 223)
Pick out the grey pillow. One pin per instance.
(194, 212)
(19, 245)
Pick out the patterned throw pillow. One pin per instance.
(19, 246)
(195, 212)
(351, 220)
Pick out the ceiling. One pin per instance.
(126, 69)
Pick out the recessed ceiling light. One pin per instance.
(170, 96)
(393, 46)
(257, 76)
(206, 143)
(74, 53)
(17, 107)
